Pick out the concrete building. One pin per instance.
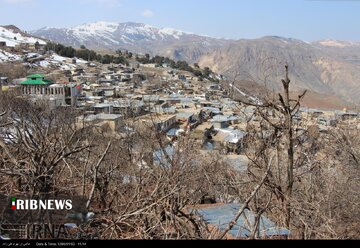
(161, 123)
(112, 121)
(37, 87)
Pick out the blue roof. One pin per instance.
(182, 99)
(220, 118)
(170, 110)
(151, 98)
(127, 103)
(174, 95)
(234, 118)
(221, 216)
(160, 156)
(173, 132)
(186, 100)
(211, 109)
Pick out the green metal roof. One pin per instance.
(36, 82)
(36, 79)
(36, 76)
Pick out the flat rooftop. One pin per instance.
(155, 117)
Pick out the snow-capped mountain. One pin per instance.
(136, 37)
(13, 36)
(113, 33)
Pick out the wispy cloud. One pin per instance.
(148, 13)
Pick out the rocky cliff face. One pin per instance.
(311, 68)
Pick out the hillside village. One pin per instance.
(141, 89)
(112, 93)
(114, 98)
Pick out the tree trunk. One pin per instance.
(290, 148)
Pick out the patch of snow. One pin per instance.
(58, 58)
(70, 225)
(115, 33)
(125, 39)
(95, 28)
(44, 63)
(171, 32)
(47, 28)
(9, 42)
(7, 57)
(32, 55)
(12, 38)
(81, 61)
(335, 43)
(253, 99)
(238, 90)
(112, 40)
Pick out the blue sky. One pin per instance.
(303, 19)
